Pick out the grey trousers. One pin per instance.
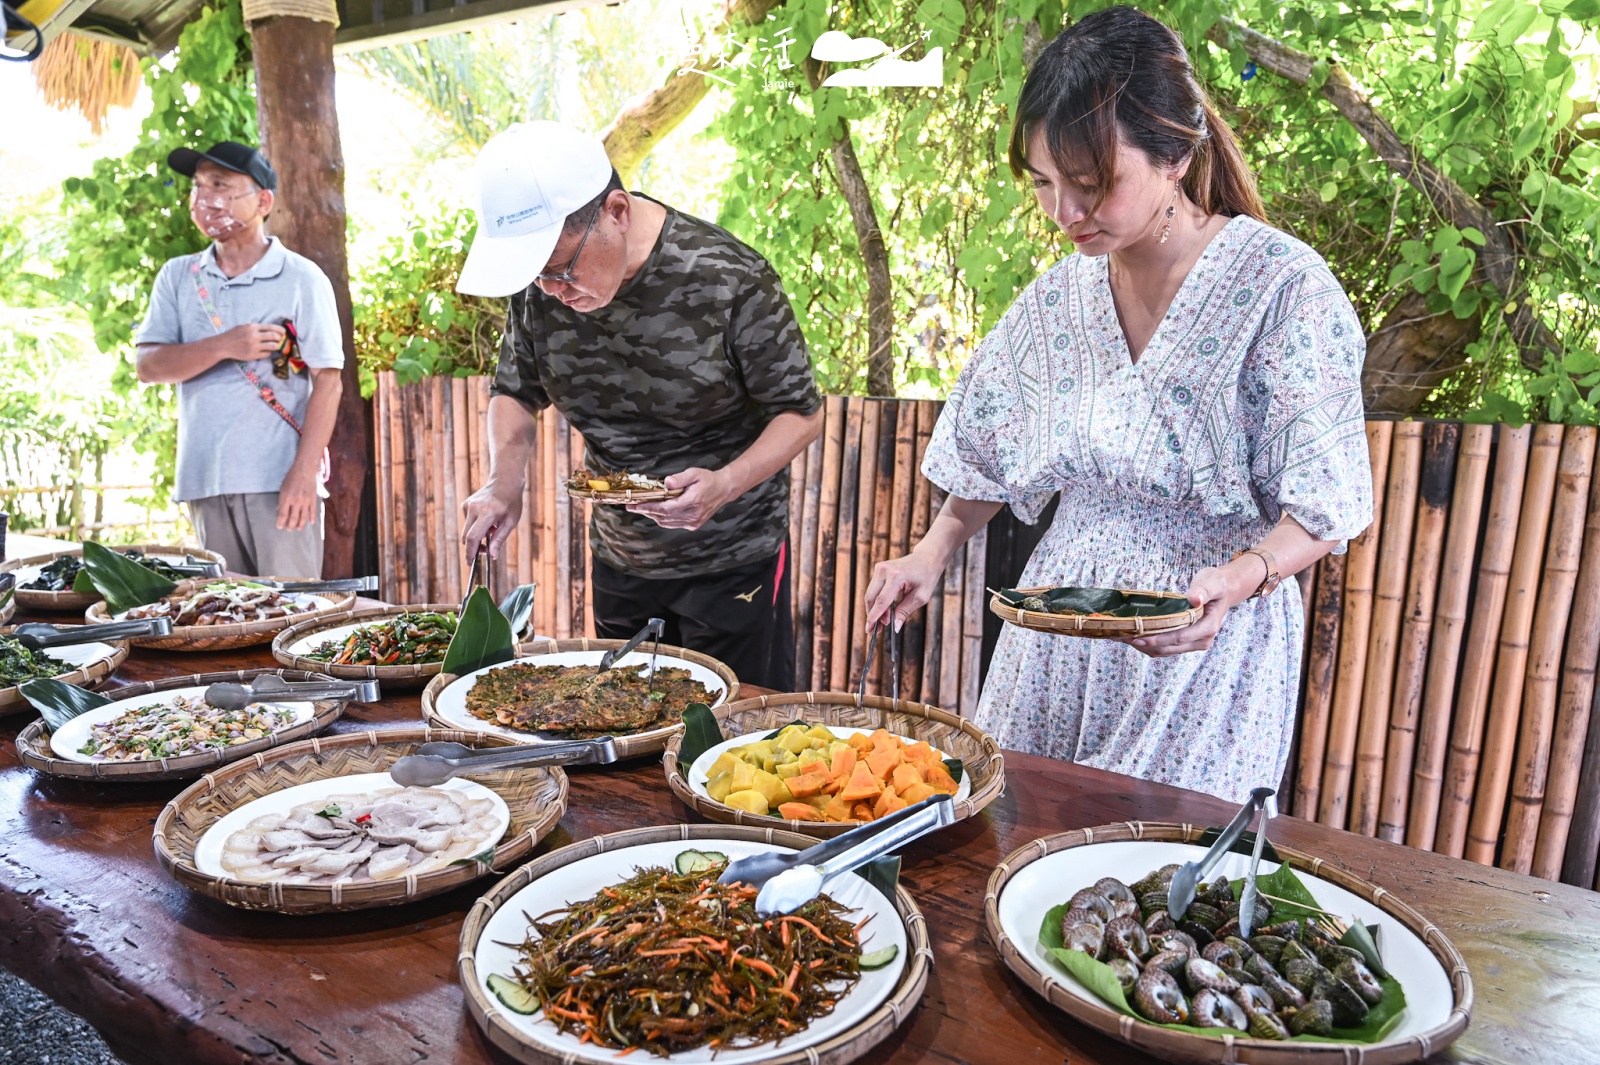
(244, 530)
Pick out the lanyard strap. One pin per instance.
(209, 306)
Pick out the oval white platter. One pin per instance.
(586, 877)
(67, 740)
(208, 851)
(699, 772)
(1054, 879)
(450, 706)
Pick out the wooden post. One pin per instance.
(300, 134)
(1327, 598)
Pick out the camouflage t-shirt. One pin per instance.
(684, 368)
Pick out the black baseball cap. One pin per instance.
(230, 155)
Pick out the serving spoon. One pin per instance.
(229, 695)
(435, 763)
(36, 636)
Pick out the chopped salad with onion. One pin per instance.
(180, 726)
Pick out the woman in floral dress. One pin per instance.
(1189, 382)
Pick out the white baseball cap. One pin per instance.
(530, 178)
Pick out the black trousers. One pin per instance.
(739, 616)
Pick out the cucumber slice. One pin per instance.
(512, 995)
(877, 959)
(691, 862)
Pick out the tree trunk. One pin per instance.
(1411, 354)
(300, 134)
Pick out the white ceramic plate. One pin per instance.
(584, 878)
(306, 644)
(67, 741)
(78, 655)
(316, 602)
(1054, 878)
(451, 703)
(699, 773)
(208, 852)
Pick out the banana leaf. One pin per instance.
(483, 637)
(700, 733)
(1099, 978)
(123, 582)
(518, 608)
(1108, 601)
(59, 703)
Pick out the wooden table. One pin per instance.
(172, 978)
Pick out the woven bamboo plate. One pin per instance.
(8, 608)
(75, 601)
(512, 1033)
(1093, 626)
(1437, 985)
(631, 745)
(33, 744)
(229, 637)
(288, 645)
(94, 662)
(625, 496)
(536, 797)
(981, 760)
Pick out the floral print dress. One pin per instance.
(1245, 404)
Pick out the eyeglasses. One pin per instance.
(566, 277)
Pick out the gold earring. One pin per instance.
(1172, 209)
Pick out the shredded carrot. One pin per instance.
(808, 924)
(665, 952)
(625, 1053)
(569, 1014)
(788, 985)
(757, 963)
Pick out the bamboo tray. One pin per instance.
(626, 495)
(835, 1050)
(980, 755)
(536, 797)
(1093, 626)
(391, 676)
(75, 601)
(87, 675)
(1430, 947)
(33, 744)
(8, 608)
(631, 745)
(227, 637)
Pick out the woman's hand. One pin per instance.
(1215, 590)
(899, 586)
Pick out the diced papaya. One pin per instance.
(862, 785)
(844, 764)
(817, 802)
(861, 812)
(938, 777)
(837, 810)
(884, 740)
(917, 752)
(915, 793)
(807, 784)
(882, 762)
(884, 803)
(905, 775)
(799, 811)
(861, 741)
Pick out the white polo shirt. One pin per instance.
(229, 440)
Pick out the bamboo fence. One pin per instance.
(1449, 696)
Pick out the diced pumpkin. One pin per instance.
(884, 740)
(861, 812)
(799, 811)
(817, 802)
(905, 775)
(938, 777)
(837, 810)
(917, 752)
(862, 785)
(844, 764)
(916, 793)
(807, 784)
(749, 801)
(882, 762)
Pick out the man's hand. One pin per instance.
(258, 340)
(705, 493)
(492, 512)
(297, 501)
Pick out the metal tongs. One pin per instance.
(36, 636)
(269, 687)
(893, 640)
(1191, 874)
(654, 625)
(794, 887)
(343, 584)
(435, 763)
(480, 557)
(757, 869)
(195, 567)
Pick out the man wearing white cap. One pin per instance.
(671, 346)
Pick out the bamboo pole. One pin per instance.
(450, 515)
(857, 577)
(582, 616)
(844, 644)
(1529, 768)
(383, 484)
(883, 517)
(463, 474)
(933, 642)
(828, 539)
(1354, 630)
(1583, 840)
(534, 489)
(1577, 694)
(433, 416)
(1450, 625)
(406, 427)
(973, 597)
(554, 478)
(564, 508)
(905, 501)
(1320, 662)
(1399, 521)
(806, 565)
(950, 653)
(1439, 442)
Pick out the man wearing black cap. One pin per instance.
(248, 332)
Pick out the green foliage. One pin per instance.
(131, 214)
(409, 318)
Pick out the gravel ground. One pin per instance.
(35, 1031)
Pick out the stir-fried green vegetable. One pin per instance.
(19, 664)
(410, 639)
(60, 574)
(667, 961)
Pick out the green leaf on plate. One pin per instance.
(518, 608)
(83, 584)
(955, 767)
(58, 702)
(883, 874)
(700, 733)
(123, 582)
(483, 637)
